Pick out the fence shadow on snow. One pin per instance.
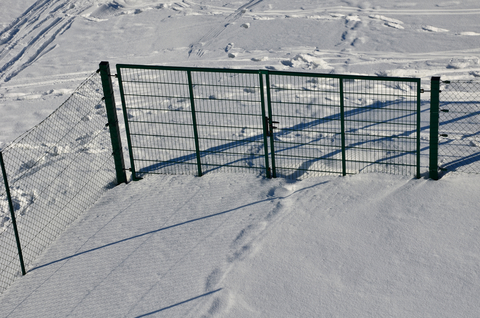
(196, 121)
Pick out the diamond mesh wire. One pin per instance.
(380, 125)
(459, 129)
(228, 120)
(55, 172)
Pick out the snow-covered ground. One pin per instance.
(234, 245)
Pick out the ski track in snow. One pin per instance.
(33, 34)
(198, 47)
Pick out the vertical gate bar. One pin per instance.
(270, 116)
(419, 91)
(342, 127)
(194, 121)
(127, 127)
(113, 122)
(264, 124)
(12, 214)
(434, 123)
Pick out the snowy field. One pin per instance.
(238, 245)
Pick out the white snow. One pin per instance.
(235, 245)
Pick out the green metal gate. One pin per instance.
(344, 124)
(193, 121)
(293, 125)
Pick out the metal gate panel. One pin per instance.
(381, 121)
(334, 124)
(192, 121)
(197, 120)
(307, 139)
(229, 113)
(158, 120)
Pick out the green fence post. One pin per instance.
(342, 127)
(113, 122)
(264, 123)
(12, 214)
(194, 121)
(434, 124)
(270, 117)
(419, 104)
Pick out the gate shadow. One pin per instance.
(155, 168)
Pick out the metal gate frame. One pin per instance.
(348, 114)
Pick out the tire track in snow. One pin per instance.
(197, 47)
(32, 34)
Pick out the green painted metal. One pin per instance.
(12, 214)
(194, 123)
(373, 121)
(434, 124)
(272, 135)
(265, 124)
(127, 127)
(342, 126)
(419, 104)
(113, 122)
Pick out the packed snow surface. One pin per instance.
(234, 245)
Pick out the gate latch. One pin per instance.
(269, 123)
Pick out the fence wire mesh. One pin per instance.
(459, 129)
(307, 140)
(344, 125)
(55, 171)
(189, 122)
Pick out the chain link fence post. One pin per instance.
(12, 213)
(434, 124)
(113, 122)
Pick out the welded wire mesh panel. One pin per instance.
(191, 121)
(56, 171)
(380, 126)
(307, 140)
(459, 141)
(229, 118)
(159, 120)
(343, 124)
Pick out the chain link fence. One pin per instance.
(459, 127)
(55, 172)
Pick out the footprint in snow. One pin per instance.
(229, 47)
